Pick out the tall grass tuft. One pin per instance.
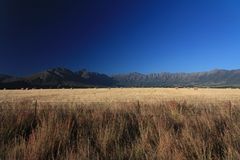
(169, 130)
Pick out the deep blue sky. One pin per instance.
(119, 36)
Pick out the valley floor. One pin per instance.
(129, 123)
(109, 95)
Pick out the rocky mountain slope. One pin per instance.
(215, 78)
(59, 78)
(62, 77)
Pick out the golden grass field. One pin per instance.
(120, 123)
(143, 95)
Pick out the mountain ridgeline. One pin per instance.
(58, 78)
(65, 78)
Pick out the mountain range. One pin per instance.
(65, 78)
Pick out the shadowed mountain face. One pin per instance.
(215, 78)
(4, 77)
(58, 78)
(62, 77)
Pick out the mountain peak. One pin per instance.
(60, 76)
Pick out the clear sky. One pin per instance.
(119, 36)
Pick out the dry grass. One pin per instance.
(167, 129)
(148, 95)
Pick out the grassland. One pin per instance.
(109, 95)
(132, 123)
